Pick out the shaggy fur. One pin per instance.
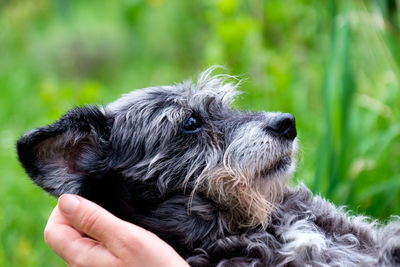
(210, 181)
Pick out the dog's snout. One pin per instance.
(283, 125)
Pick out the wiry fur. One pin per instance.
(219, 195)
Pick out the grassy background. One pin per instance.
(334, 64)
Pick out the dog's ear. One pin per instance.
(60, 156)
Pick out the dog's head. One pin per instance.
(160, 141)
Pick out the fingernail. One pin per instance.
(68, 203)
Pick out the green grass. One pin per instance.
(334, 64)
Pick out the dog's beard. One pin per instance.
(246, 198)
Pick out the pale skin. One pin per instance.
(84, 234)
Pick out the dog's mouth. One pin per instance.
(278, 166)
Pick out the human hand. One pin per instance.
(85, 234)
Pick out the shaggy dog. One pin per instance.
(210, 181)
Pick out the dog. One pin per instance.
(209, 180)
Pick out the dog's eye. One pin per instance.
(192, 125)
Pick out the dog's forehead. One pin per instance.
(146, 96)
(186, 95)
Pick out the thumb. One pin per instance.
(93, 220)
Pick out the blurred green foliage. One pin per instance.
(334, 64)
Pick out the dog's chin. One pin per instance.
(282, 167)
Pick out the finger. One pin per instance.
(69, 244)
(98, 223)
(56, 217)
(57, 229)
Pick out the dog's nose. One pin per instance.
(282, 125)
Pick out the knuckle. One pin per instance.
(127, 247)
(90, 221)
(127, 241)
(79, 260)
